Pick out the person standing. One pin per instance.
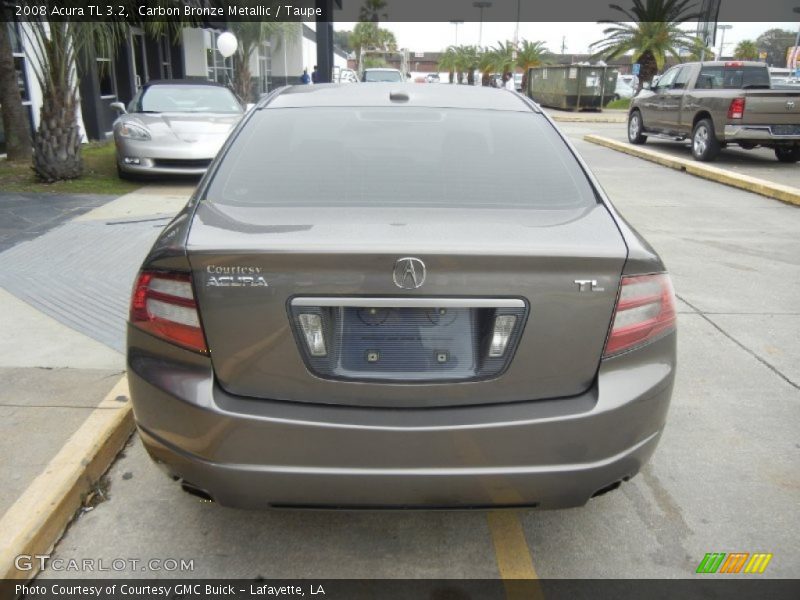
(509, 82)
(315, 75)
(304, 78)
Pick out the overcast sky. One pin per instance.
(434, 37)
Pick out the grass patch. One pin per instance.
(99, 175)
(622, 103)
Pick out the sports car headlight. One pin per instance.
(133, 131)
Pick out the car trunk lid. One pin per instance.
(252, 265)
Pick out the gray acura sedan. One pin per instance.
(400, 297)
(174, 127)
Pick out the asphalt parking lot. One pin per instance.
(725, 477)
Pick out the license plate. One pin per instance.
(418, 343)
(785, 129)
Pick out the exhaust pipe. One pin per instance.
(193, 490)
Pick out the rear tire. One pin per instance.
(635, 128)
(705, 146)
(787, 154)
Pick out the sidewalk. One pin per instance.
(66, 268)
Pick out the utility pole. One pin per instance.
(481, 4)
(456, 23)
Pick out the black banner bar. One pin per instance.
(703, 587)
(393, 11)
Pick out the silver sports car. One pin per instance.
(400, 297)
(174, 127)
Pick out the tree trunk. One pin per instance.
(15, 121)
(450, 74)
(647, 69)
(57, 145)
(243, 79)
(471, 77)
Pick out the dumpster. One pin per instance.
(572, 87)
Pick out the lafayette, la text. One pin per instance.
(170, 591)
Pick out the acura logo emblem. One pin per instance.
(409, 273)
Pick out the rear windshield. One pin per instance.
(378, 76)
(398, 156)
(737, 78)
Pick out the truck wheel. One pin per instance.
(705, 146)
(635, 128)
(787, 154)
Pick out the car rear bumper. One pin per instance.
(756, 133)
(259, 453)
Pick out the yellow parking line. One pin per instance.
(778, 191)
(38, 518)
(513, 556)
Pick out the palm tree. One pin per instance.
(505, 61)
(372, 11)
(250, 35)
(56, 47)
(488, 65)
(652, 30)
(466, 62)
(447, 62)
(15, 121)
(746, 50)
(368, 36)
(530, 54)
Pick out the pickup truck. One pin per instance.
(715, 104)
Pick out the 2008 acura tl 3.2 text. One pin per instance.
(400, 297)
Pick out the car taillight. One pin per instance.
(645, 311)
(736, 109)
(163, 304)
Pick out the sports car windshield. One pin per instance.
(187, 98)
(399, 156)
(382, 76)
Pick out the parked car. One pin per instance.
(432, 78)
(173, 127)
(348, 76)
(625, 87)
(779, 76)
(382, 340)
(382, 76)
(719, 103)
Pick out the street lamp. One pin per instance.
(456, 23)
(724, 28)
(796, 43)
(481, 4)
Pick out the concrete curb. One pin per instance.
(577, 118)
(777, 191)
(36, 521)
